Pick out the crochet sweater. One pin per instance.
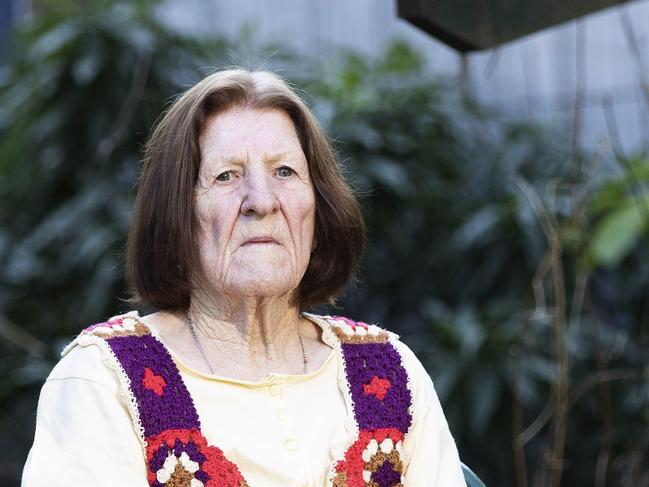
(368, 416)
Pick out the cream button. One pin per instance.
(290, 444)
(274, 390)
(281, 415)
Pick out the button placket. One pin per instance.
(282, 415)
(275, 390)
(289, 442)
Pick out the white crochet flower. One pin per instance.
(169, 467)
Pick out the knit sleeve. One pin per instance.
(84, 434)
(430, 451)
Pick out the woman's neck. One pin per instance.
(264, 329)
(244, 338)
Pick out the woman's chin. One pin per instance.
(260, 286)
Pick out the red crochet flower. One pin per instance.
(368, 445)
(153, 382)
(377, 387)
(214, 469)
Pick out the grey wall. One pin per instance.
(536, 76)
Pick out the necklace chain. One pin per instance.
(190, 325)
(303, 352)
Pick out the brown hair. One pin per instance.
(162, 255)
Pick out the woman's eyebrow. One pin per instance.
(270, 158)
(282, 155)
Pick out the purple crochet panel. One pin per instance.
(162, 398)
(386, 476)
(363, 361)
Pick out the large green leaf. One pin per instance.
(619, 232)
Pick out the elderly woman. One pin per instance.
(243, 221)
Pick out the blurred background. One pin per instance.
(504, 180)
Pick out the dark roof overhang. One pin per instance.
(469, 25)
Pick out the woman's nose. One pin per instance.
(259, 195)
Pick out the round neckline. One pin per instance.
(328, 337)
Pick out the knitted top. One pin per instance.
(375, 449)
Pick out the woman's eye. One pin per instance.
(223, 177)
(285, 171)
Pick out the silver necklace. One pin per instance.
(190, 325)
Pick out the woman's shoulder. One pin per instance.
(86, 357)
(349, 330)
(419, 381)
(118, 325)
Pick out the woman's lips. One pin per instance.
(262, 240)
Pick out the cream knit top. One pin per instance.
(283, 431)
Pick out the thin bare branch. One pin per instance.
(120, 126)
(612, 128)
(537, 206)
(589, 182)
(601, 377)
(537, 284)
(632, 39)
(577, 306)
(553, 455)
(492, 63)
(621, 158)
(517, 426)
(537, 425)
(605, 400)
(580, 61)
(562, 387)
(22, 339)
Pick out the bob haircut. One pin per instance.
(163, 266)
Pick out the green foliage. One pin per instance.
(462, 209)
(76, 105)
(623, 215)
(456, 201)
(618, 233)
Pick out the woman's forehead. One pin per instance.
(237, 133)
(269, 157)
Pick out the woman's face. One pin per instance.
(254, 182)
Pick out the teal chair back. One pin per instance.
(472, 480)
